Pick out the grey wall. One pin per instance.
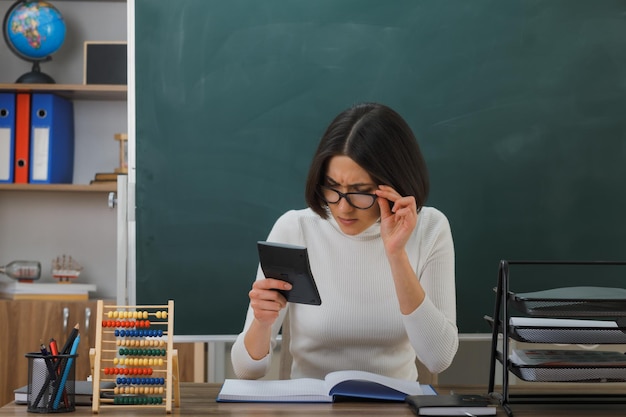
(43, 225)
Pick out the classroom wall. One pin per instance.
(43, 225)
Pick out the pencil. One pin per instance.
(70, 341)
(55, 351)
(66, 370)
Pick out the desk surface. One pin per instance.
(199, 400)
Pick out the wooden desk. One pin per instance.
(198, 399)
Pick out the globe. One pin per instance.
(34, 30)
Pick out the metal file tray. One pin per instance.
(580, 317)
(562, 365)
(540, 330)
(571, 302)
(535, 373)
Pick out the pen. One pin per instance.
(65, 351)
(66, 372)
(53, 376)
(53, 347)
(55, 352)
(44, 388)
(46, 358)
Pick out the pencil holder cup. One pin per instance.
(51, 383)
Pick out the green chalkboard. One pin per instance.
(519, 106)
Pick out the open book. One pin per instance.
(344, 384)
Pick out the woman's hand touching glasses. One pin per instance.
(397, 220)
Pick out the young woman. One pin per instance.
(382, 261)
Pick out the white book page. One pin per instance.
(294, 390)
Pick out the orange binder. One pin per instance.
(22, 137)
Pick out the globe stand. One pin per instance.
(35, 76)
(33, 31)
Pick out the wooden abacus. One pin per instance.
(134, 350)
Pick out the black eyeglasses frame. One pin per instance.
(346, 196)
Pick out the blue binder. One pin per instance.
(7, 136)
(51, 139)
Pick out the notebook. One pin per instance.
(82, 392)
(452, 405)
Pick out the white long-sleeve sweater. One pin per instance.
(359, 325)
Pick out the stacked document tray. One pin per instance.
(568, 365)
(572, 302)
(578, 320)
(570, 331)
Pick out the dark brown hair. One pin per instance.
(381, 142)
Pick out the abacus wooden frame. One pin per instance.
(172, 385)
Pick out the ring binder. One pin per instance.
(7, 136)
(52, 140)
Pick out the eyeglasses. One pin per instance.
(361, 201)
